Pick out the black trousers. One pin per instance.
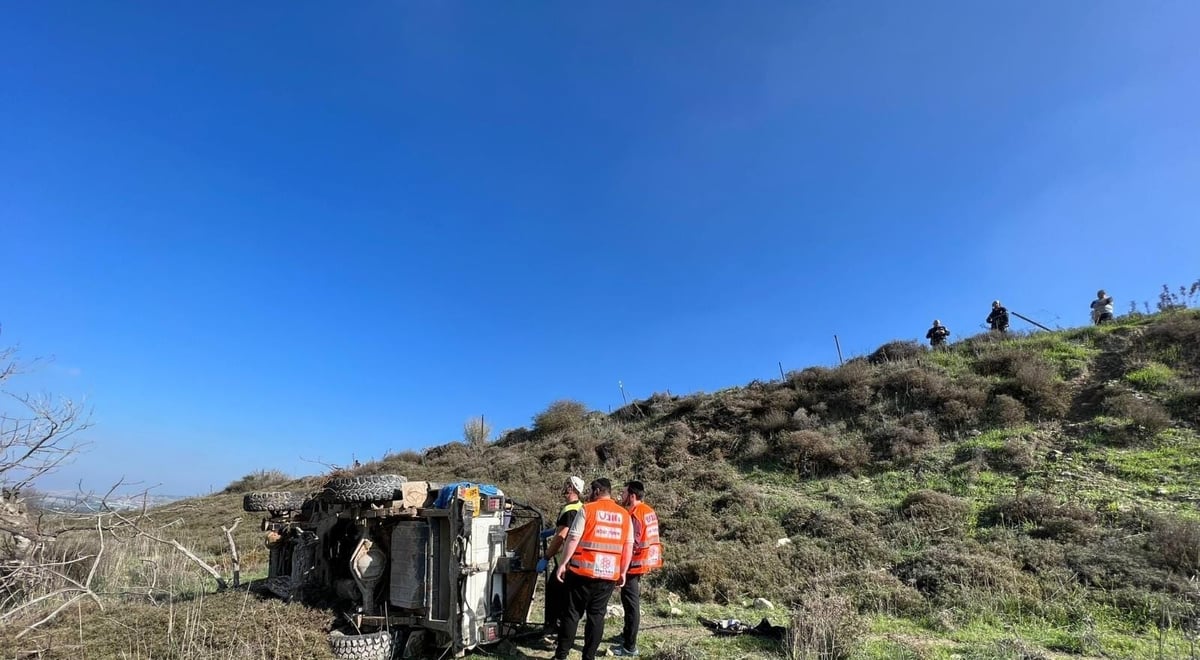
(631, 601)
(556, 602)
(585, 596)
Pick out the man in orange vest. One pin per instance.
(647, 556)
(598, 551)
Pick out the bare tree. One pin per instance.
(37, 436)
(476, 432)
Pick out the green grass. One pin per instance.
(1152, 377)
(1071, 358)
(1173, 465)
(955, 362)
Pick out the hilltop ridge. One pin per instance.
(1035, 491)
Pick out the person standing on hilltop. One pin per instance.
(647, 556)
(937, 334)
(599, 549)
(998, 319)
(1102, 308)
(556, 594)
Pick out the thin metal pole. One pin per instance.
(781, 376)
(1026, 318)
(839, 349)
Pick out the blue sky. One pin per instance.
(257, 235)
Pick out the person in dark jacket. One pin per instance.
(1102, 308)
(998, 319)
(937, 334)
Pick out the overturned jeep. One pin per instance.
(411, 565)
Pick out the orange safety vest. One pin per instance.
(647, 549)
(606, 528)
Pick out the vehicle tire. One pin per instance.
(270, 501)
(364, 489)
(375, 646)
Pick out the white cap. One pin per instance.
(576, 483)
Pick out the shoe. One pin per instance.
(622, 651)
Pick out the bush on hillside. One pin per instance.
(559, 416)
(1174, 543)
(1179, 334)
(881, 592)
(963, 575)
(895, 351)
(813, 453)
(824, 628)
(1146, 417)
(772, 420)
(935, 510)
(1032, 509)
(257, 480)
(1004, 411)
(844, 392)
(1040, 387)
(1014, 455)
(912, 388)
(1185, 405)
(899, 441)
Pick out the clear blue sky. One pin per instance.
(257, 233)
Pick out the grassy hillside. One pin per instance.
(1021, 496)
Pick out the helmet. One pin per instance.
(574, 483)
(995, 303)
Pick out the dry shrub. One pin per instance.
(671, 446)
(955, 574)
(1029, 378)
(751, 531)
(845, 391)
(772, 420)
(1146, 417)
(935, 510)
(1041, 388)
(957, 414)
(1177, 332)
(257, 480)
(719, 572)
(1032, 509)
(1122, 562)
(1185, 405)
(559, 416)
(899, 441)
(1065, 528)
(753, 448)
(807, 560)
(851, 535)
(824, 628)
(880, 591)
(894, 351)
(1005, 411)
(1016, 456)
(1175, 543)
(803, 420)
(912, 388)
(812, 453)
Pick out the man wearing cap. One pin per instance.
(599, 550)
(997, 320)
(556, 592)
(937, 334)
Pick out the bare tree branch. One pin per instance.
(233, 551)
(221, 584)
